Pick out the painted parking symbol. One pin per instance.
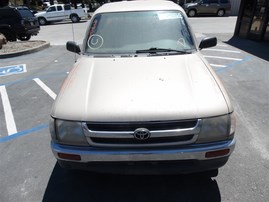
(14, 69)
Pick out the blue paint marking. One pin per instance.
(234, 64)
(15, 69)
(31, 78)
(25, 132)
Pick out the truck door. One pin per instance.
(51, 13)
(60, 13)
(213, 6)
(203, 6)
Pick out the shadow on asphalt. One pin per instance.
(65, 22)
(258, 49)
(85, 186)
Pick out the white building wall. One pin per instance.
(235, 7)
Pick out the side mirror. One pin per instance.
(73, 47)
(208, 42)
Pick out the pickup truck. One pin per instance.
(140, 99)
(61, 12)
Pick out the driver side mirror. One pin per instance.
(73, 47)
(208, 42)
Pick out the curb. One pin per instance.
(27, 51)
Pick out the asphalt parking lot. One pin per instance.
(28, 170)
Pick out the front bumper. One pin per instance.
(191, 158)
(32, 31)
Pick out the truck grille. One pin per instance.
(162, 133)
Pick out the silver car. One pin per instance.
(207, 7)
(141, 99)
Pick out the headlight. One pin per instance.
(232, 123)
(217, 128)
(67, 132)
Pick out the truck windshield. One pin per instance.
(129, 32)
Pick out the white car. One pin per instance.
(61, 12)
(141, 99)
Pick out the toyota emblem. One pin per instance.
(141, 134)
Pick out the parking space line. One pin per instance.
(45, 88)
(215, 65)
(10, 122)
(224, 58)
(221, 50)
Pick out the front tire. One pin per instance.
(192, 13)
(42, 21)
(74, 18)
(221, 13)
(24, 37)
(210, 173)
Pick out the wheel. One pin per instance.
(210, 173)
(24, 37)
(10, 36)
(74, 18)
(42, 21)
(220, 12)
(192, 13)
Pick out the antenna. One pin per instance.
(73, 31)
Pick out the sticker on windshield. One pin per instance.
(168, 16)
(95, 41)
(181, 42)
(94, 24)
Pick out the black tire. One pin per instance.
(210, 173)
(192, 13)
(221, 12)
(74, 18)
(24, 37)
(10, 36)
(42, 21)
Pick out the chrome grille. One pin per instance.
(162, 133)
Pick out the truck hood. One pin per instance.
(40, 13)
(140, 89)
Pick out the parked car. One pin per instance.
(18, 23)
(61, 12)
(140, 99)
(207, 7)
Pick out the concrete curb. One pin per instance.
(27, 51)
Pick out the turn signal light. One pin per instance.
(212, 154)
(69, 156)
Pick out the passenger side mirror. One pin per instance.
(73, 47)
(208, 42)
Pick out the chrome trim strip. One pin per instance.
(193, 152)
(154, 134)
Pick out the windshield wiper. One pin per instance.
(162, 50)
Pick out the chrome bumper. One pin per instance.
(190, 152)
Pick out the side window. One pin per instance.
(51, 9)
(205, 2)
(59, 8)
(214, 1)
(67, 7)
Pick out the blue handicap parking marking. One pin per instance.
(14, 69)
